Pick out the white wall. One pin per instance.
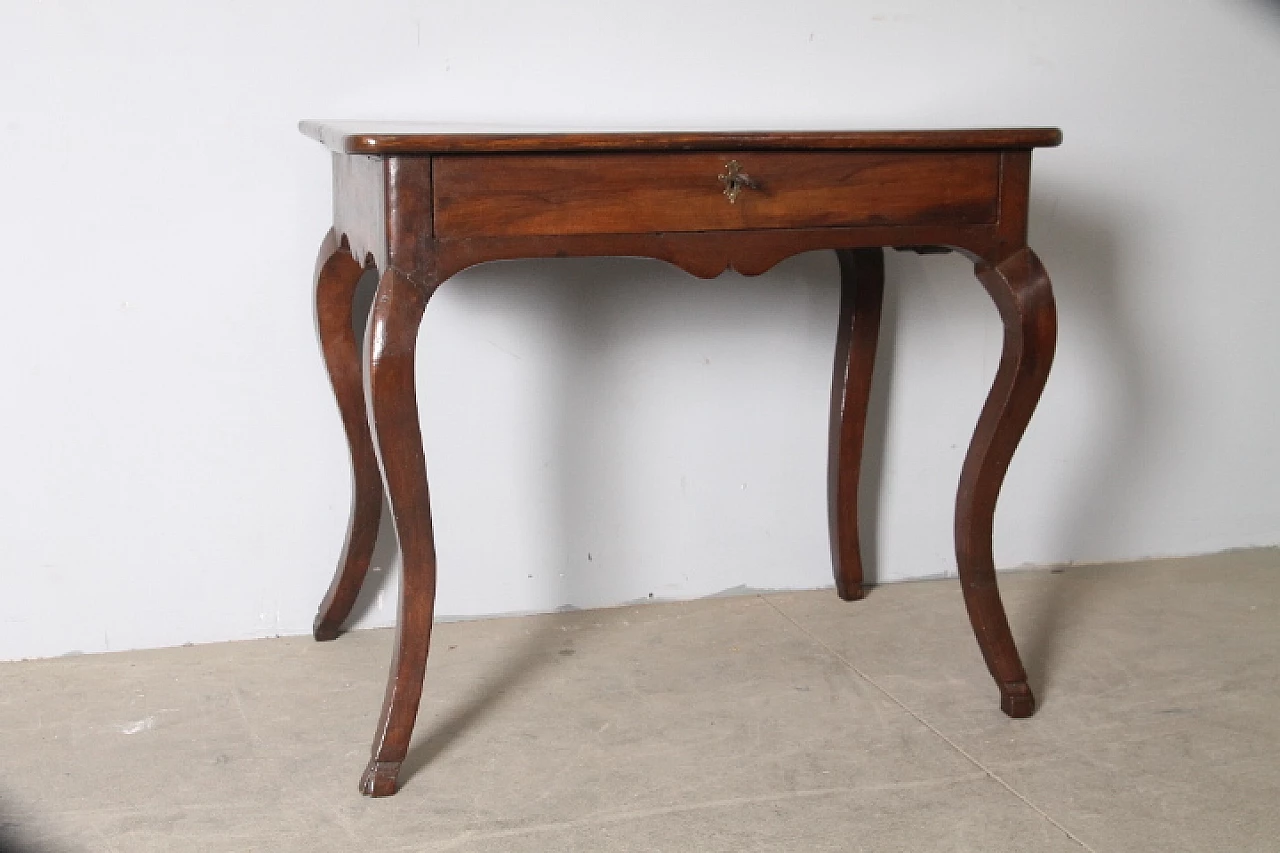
(173, 465)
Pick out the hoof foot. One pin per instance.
(324, 631)
(1016, 700)
(379, 779)
(857, 593)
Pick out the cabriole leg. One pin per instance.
(337, 275)
(1020, 288)
(393, 412)
(861, 294)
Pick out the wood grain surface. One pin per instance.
(373, 137)
(514, 194)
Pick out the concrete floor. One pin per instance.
(786, 722)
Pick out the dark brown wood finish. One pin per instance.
(393, 411)
(337, 275)
(391, 137)
(535, 194)
(1019, 286)
(431, 203)
(861, 294)
(706, 254)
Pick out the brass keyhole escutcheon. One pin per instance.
(735, 181)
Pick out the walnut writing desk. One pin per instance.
(419, 204)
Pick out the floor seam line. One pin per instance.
(625, 815)
(895, 700)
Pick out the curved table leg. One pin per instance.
(861, 294)
(393, 413)
(1020, 288)
(337, 275)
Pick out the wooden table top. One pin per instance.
(384, 137)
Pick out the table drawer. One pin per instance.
(532, 194)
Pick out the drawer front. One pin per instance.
(533, 194)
